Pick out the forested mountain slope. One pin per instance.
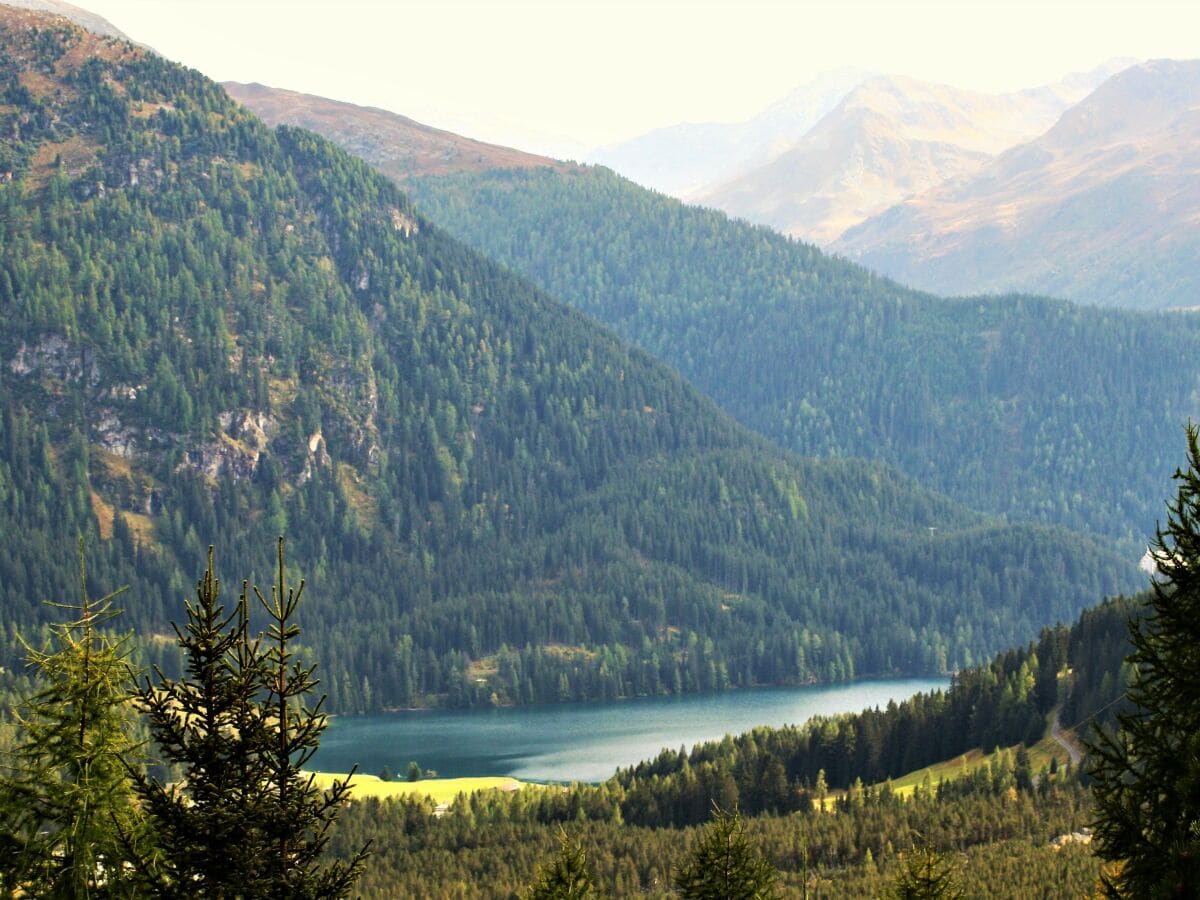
(1025, 406)
(212, 332)
(1076, 670)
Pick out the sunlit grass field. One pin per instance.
(441, 790)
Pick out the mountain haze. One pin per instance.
(682, 160)
(212, 332)
(891, 137)
(1102, 208)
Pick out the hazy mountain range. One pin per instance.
(1085, 189)
(664, 276)
(1102, 208)
(686, 159)
(950, 190)
(889, 138)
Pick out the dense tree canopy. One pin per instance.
(1025, 406)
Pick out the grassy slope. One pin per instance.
(440, 790)
(1040, 755)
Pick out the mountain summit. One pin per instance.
(888, 139)
(1099, 209)
(684, 160)
(81, 17)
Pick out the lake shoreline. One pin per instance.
(586, 741)
(732, 689)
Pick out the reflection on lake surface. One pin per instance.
(583, 741)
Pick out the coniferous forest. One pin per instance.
(1025, 406)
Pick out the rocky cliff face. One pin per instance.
(65, 370)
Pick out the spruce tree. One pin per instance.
(724, 866)
(68, 811)
(566, 877)
(206, 726)
(1146, 776)
(926, 875)
(244, 820)
(301, 814)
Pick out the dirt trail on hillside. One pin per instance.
(1067, 740)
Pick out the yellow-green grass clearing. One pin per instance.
(967, 763)
(441, 790)
(946, 770)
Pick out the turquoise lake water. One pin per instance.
(582, 741)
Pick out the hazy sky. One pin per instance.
(556, 75)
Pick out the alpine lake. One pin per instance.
(584, 742)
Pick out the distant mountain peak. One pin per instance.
(684, 159)
(1139, 97)
(888, 139)
(81, 17)
(1098, 209)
